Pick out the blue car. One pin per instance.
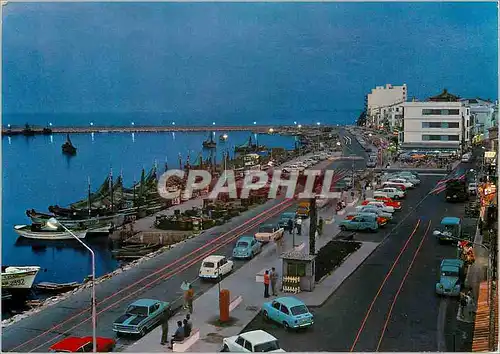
(246, 247)
(283, 222)
(452, 276)
(289, 311)
(140, 316)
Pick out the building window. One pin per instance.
(440, 137)
(443, 125)
(440, 112)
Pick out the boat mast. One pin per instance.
(89, 202)
(111, 187)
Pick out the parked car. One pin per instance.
(450, 229)
(381, 221)
(213, 267)
(408, 176)
(389, 192)
(402, 181)
(382, 206)
(246, 247)
(140, 316)
(288, 311)
(400, 186)
(451, 277)
(374, 210)
(269, 232)
(83, 345)
(285, 217)
(472, 188)
(371, 163)
(360, 223)
(386, 200)
(253, 342)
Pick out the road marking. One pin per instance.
(365, 319)
(441, 320)
(401, 286)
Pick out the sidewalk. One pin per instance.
(243, 283)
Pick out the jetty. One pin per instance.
(18, 130)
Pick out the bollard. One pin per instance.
(224, 300)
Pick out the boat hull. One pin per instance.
(19, 277)
(116, 220)
(25, 231)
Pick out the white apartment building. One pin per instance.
(437, 124)
(383, 104)
(482, 116)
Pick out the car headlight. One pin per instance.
(440, 286)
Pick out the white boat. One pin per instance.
(14, 277)
(47, 234)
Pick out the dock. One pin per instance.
(21, 130)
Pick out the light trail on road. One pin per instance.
(401, 287)
(361, 328)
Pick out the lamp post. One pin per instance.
(94, 314)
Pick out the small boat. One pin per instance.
(55, 287)
(210, 143)
(28, 131)
(222, 137)
(44, 232)
(67, 147)
(47, 131)
(134, 251)
(40, 218)
(14, 277)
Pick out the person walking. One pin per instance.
(178, 335)
(164, 327)
(266, 284)
(298, 223)
(274, 281)
(290, 226)
(188, 297)
(320, 226)
(462, 304)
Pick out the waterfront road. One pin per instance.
(389, 303)
(158, 278)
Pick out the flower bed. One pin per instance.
(332, 255)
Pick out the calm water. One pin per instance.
(36, 174)
(198, 63)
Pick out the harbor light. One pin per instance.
(91, 124)
(173, 123)
(271, 130)
(299, 126)
(254, 123)
(8, 126)
(225, 136)
(318, 123)
(133, 123)
(50, 124)
(295, 123)
(213, 123)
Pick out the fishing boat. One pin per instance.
(68, 148)
(57, 287)
(133, 251)
(41, 218)
(249, 147)
(47, 231)
(210, 143)
(223, 137)
(14, 277)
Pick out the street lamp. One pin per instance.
(50, 124)
(55, 222)
(91, 124)
(254, 123)
(133, 123)
(318, 124)
(173, 123)
(299, 126)
(213, 123)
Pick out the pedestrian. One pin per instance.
(188, 326)
(290, 225)
(298, 223)
(188, 297)
(320, 226)
(274, 281)
(187, 330)
(463, 304)
(164, 327)
(178, 335)
(266, 284)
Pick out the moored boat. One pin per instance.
(68, 148)
(40, 232)
(116, 220)
(210, 143)
(57, 287)
(19, 277)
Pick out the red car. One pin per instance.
(385, 200)
(83, 344)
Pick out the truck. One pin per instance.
(303, 209)
(456, 190)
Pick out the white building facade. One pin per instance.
(436, 125)
(483, 114)
(384, 105)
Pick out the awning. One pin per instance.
(481, 339)
(490, 154)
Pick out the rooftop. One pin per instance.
(213, 258)
(444, 96)
(298, 256)
(258, 336)
(450, 220)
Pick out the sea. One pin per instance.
(215, 64)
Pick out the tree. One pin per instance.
(361, 119)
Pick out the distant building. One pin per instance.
(482, 115)
(383, 105)
(440, 123)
